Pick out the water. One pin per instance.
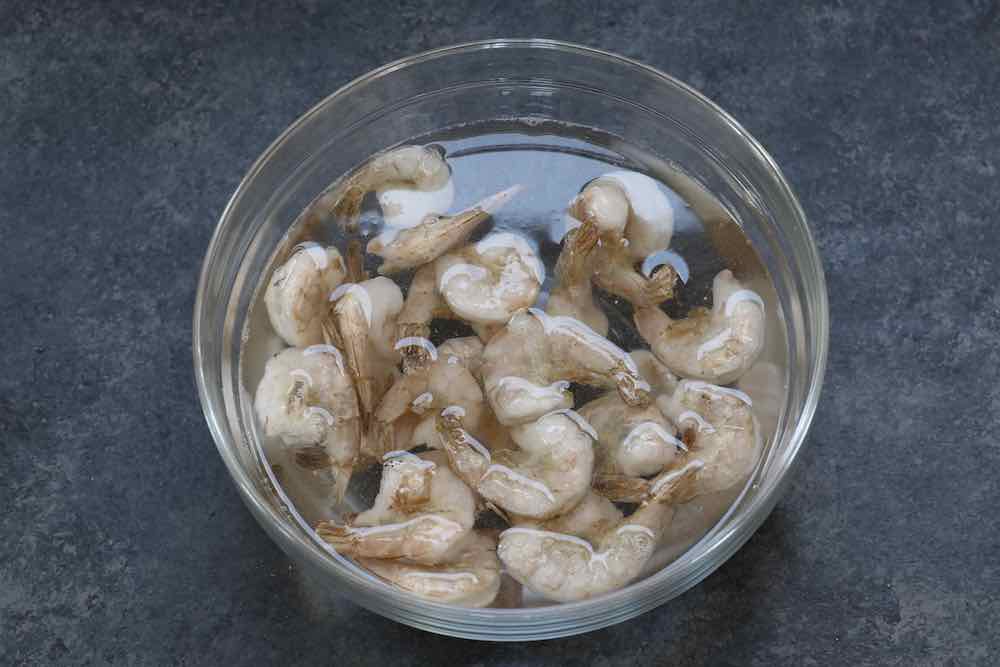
(552, 163)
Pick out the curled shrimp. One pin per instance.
(573, 295)
(296, 294)
(306, 398)
(405, 417)
(364, 319)
(401, 174)
(470, 579)
(422, 513)
(488, 281)
(547, 475)
(632, 441)
(433, 236)
(528, 366)
(610, 204)
(716, 345)
(718, 427)
(564, 567)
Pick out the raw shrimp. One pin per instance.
(565, 567)
(296, 295)
(717, 345)
(466, 350)
(421, 168)
(631, 441)
(413, 326)
(405, 418)
(364, 316)
(307, 399)
(487, 282)
(590, 519)
(528, 366)
(433, 236)
(573, 295)
(652, 369)
(422, 513)
(610, 207)
(718, 427)
(547, 475)
(470, 579)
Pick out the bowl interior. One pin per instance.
(660, 121)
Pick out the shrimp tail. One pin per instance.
(355, 261)
(340, 537)
(660, 286)
(467, 463)
(573, 264)
(676, 485)
(621, 488)
(415, 357)
(632, 388)
(347, 210)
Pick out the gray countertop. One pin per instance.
(122, 134)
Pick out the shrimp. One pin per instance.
(433, 236)
(718, 427)
(716, 345)
(405, 418)
(528, 366)
(470, 579)
(296, 294)
(547, 475)
(573, 295)
(364, 318)
(564, 567)
(631, 441)
(487, 282)
(413, 325)
(590, 519)
(422, 513)
(466, 350)
(306, 398)
(651, 368)
(421, 168)
(611, 208)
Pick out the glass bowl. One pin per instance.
(483, 81)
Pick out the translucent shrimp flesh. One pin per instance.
(488, 281)
(717, 425)
(547, 475)
(717, 345)
(527, 366)
(423, 512)
(631, 441)
(306, 398)
(565, 567)
(296, 295)
(471, 578)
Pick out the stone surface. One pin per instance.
(124, 131)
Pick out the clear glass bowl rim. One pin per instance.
(567, 618)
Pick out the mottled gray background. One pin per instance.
(123, 132)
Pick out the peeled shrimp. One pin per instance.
(565, 567)
(405, 417)
(573, 295)
(631, 441)
(717, 345)
(470, 579)
(401, 174)
(652, 369)
(528, 366)
(487, 282)
(307, 399)
(296, 295)
(590, 519)
(433, 236)
(422, 513)
(413, 325)
(547, 475)
(718, 426)
(364, 315)
(610, 204)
